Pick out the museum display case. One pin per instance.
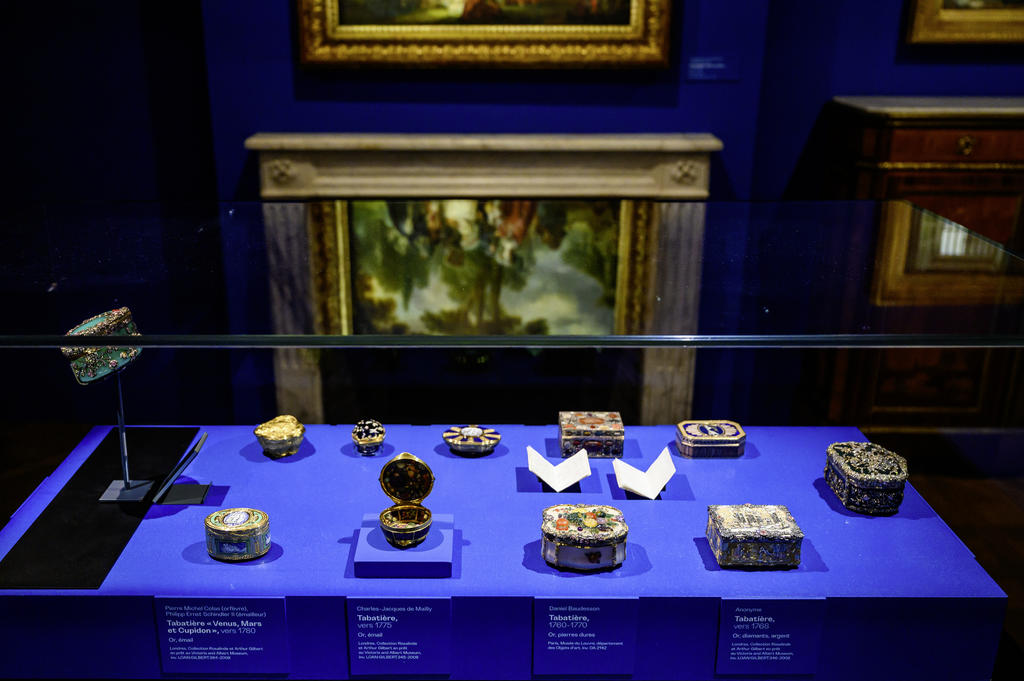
(294, 359)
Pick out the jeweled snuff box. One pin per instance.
(583, 536)
(749, 535)
(866, 477)
(601, 433)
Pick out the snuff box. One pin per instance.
(237, 534)
(407, 481)
(601, 433)
(710, 438)
(747, 535)
(95, 363)
(471, 440)
(368, 435)
(583, 536)
(280, 436)
(867, 478)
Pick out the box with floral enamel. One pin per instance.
(749, 535)
(583, 536)
(601, 433)
(867, 478)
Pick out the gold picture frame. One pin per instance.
(640, 40)
(332, 268)
(965, 21)
(925, 260)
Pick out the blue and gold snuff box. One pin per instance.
(407, 481)
(368, 436)
(91, 364)
(601, 433)
(710, 438)
(234, 534)
(471, 440)
(749, 535)
(866, 477)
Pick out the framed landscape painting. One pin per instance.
(473, 267)
(509, 33)
(966, 21)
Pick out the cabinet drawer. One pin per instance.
(956, 145)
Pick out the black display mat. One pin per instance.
(76, 540)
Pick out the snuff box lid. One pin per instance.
(870, 465)
(283, 427)
(368, 432)
(752, 521)
(710, 432)
(237, 521)
(590, 423)
(406, 479)
(583, 524)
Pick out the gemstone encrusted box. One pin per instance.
(867, 478)
(748, 535)
(706, 439)
(601, 433)
(583, 536)
(234, 534)
(96, 363)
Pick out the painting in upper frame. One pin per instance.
(501, 33)
(966, 21)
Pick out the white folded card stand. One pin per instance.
(647, 484)
(559, 477)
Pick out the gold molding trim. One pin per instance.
(642, 42)
(938, 165)
(931, 23)
(893, 285)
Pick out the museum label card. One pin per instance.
(399, 636)
(584, 636)
(565, 474)
(649, 483)
(774, 637)
(222, 635)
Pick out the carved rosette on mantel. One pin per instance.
(638, 169)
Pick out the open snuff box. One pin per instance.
(407, 481)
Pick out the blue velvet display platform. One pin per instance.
(895, 597)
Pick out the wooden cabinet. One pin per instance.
(962, 158)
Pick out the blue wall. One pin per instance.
(817, 50)
(255, 86)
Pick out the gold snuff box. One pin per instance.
(280, 436)
(749, 535)
(471, 440)
(710, 438)
(407, 481)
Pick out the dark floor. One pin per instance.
(973, 480)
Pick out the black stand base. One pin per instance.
(117, 491)
(185, 494)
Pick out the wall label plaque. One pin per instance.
(397, 636)
(222, 635)
(769, 636)
(584, 636)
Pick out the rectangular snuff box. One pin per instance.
(867, 478)
(704, 439)
(601, 433)
(749, 535)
